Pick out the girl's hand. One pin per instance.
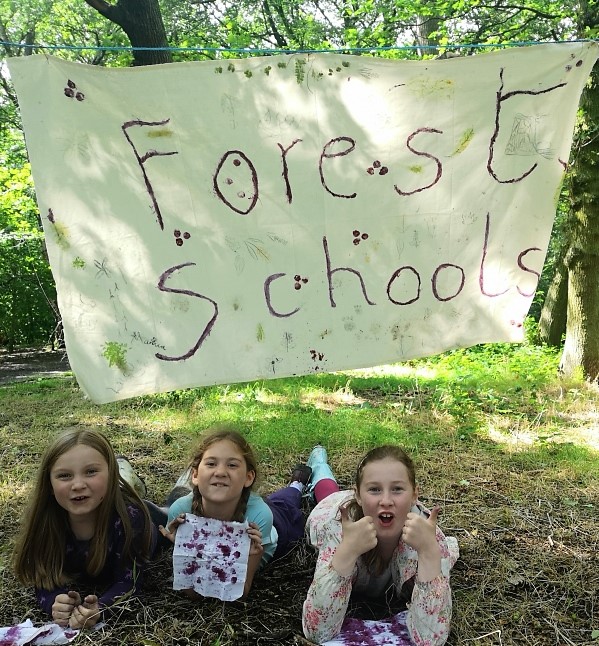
(63, 607)
(421, 534)
(255, 535)
(86, 614)
(358, 537)
(171, 531)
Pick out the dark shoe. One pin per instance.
(301, 473)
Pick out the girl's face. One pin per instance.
(386, 495)
(79, 480)
(220, 477)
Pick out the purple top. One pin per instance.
(116, 578)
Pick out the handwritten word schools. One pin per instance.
(391, 290)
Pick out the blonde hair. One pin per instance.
(211, 436)
(372, 558)
(39, 555)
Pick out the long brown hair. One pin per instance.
(218, 434)
(39, 555)
(372, 558)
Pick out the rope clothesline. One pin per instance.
(262, 50)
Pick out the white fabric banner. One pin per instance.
(232, 220)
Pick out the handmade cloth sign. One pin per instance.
(210, 556)
(365, 632)
(231, 220)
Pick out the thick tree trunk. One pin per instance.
(552, 322)
(141, 20)
(581, 349)
(426, 44)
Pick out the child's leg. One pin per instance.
(322, 481)
(324, 488)
(288, 518)
(181, 488)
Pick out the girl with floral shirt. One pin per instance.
(377, 537)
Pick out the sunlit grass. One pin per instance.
(505, 446)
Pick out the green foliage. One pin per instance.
(26, 315)
(116, 355)
(27, 291)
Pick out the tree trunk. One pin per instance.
(141, 20)
(552, 322)
(581, 349)
(427, 25)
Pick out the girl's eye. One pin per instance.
(374, 490)
(92, 471)
(233, 465)
(62, 476)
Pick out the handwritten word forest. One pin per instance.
(232, 220)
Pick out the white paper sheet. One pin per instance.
(210, 556)
(26, 633)
(362, 632)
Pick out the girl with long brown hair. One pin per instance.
(86, 534)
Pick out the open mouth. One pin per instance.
(386, 519)
(79, 499)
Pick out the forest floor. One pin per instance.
(22, 365)
(512, 459)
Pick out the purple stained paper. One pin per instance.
(210, 557)
(392, 631)
(26, 634)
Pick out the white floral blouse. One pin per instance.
(429, 612)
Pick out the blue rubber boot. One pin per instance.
(318, 462)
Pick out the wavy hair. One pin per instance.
(39, 555)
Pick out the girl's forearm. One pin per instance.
(429, 564)
(253, 565)
(344, 560)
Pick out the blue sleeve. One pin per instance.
(180, 506)
(257, 511)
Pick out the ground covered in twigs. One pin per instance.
(526, 521)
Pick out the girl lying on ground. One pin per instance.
(375, 538)
(86, 534)
(222, 473)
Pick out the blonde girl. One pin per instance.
(86, 534)
(375, 538)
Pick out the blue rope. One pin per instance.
(251, 50)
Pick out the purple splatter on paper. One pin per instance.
(211, 557)
(220, 573)
(358, 632)
(11, 637)
(192, 567)
(225, 549)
